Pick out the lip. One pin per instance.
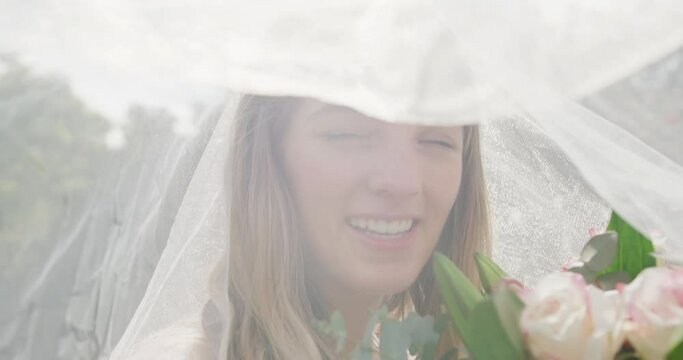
(380, 243)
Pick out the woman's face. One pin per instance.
(372, 196)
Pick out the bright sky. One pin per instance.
(99, 56)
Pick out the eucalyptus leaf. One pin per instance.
(426, 352)
(421, 329)
(363, 354)
(610, 280)
(489, 272)
(600, 251)
(493, 342)
(588, 275)
(338, 328)
(334, 328)
(394, 340)
(365, 350)
(423, 335)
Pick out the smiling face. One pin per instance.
(372, 196)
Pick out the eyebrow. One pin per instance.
(353, 119)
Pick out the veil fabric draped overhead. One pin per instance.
(552, 85)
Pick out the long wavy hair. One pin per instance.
(274, 301)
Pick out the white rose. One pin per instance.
(566, 319)
(654, 305)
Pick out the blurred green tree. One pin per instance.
(50, 148)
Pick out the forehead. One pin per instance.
(309, 108)
(313, 111)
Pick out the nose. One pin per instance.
(396, 171)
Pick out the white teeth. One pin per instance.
(393, 227)
(382, 227)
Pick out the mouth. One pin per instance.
(383, 228)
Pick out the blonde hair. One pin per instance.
(274, 303)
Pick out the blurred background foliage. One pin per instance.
(50, 148)
(71, 208)
(53, 152)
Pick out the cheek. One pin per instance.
(322, 186)
(444, 181)
(320, 183)
(441, 191)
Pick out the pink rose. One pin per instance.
(654, 305)
(566, 319)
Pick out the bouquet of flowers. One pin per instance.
(614, 303)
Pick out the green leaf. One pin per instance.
(415, 334)
(333, 328)
(365, 349)
(493, 342)
(421, 329)
(635, 250)
(600, 251)
(363, 353)
(426, 352)
(458, 293)
(610, 280)
(489, 272)
(394, 340)
(509, 310)
(676, 353)
(467, 294)
(338, 328)
(588, 275)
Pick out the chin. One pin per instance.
(389, 283)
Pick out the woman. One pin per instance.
(436, 61)
(333, 210)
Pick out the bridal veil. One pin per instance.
(579, 104)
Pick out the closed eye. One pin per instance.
(441, 143)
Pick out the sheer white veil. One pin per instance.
(554, 87)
